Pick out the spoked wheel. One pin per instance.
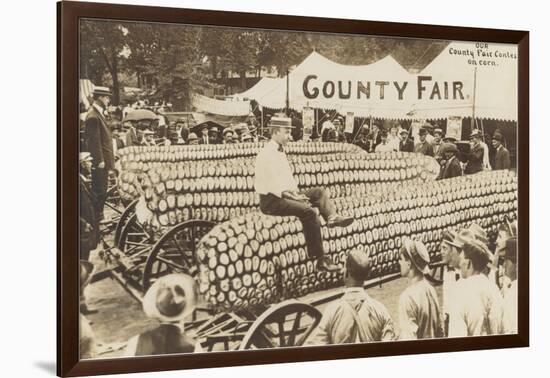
(135, 241)
(175, 251)
(123, 220)
(287, 324)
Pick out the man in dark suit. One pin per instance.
(374, 137)
(100, 145)
(405, 143)
(502, 156)
(451, 167)
(424, 147)
(475, 156)
(89, 226)
(205, 137)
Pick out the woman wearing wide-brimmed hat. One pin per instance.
(169, 300)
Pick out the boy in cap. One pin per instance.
(476, 154)
(424, 147)
(502, 155)
(478, 307)
(169, 300)
(509, 255)
(418, 309)
(356, 317)
(89, 223)
(279, 194)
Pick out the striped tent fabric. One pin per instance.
(86, 88)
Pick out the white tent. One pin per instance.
(378, 89)
(268, 92)
(490, 68)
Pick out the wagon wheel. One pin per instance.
(113, 198)
(175, 251)
(123, 220)
(134, 240)
(287, 324)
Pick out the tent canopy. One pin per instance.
(384, 89)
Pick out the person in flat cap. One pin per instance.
(355, 317)
(450, 164)
(169, 301)
(89, 222)
(437, 143)
(478, 307)
(509, 256)
(502, 155)
(193, 139)
(279, 193)
(406, 144)
(100, 145)
(476, 155)
(228, 136)
(418, 309)
(423, 146)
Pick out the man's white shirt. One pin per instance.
(272, 171)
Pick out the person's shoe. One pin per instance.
(84, 310)
(339, 221)
(324, 263)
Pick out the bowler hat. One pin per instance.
(449, 147)
(422, 131)
(497, 136)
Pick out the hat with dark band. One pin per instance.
(102, 91)
(281, 122)
(438, 131)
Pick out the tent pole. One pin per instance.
(262, 123)
(472, 123)
(287, 99)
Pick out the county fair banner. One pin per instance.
(463, 74)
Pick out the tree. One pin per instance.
(102, 43)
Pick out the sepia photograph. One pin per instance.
(245, 188)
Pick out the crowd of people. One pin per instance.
(479, 286)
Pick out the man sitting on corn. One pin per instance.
(279, 193)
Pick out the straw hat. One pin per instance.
(171, 298)
(282, 122)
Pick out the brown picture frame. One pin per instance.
(68, 15)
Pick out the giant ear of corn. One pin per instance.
(256, 259)
(220, 185)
